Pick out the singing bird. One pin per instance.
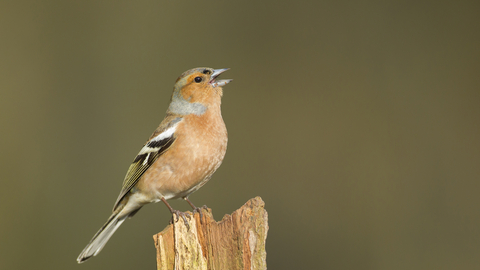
(179, 157)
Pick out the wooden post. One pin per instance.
(236, 242)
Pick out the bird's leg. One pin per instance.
(179, 213)
(196, 209)
(191, 204)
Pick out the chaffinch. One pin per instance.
(180, 156)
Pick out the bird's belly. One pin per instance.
(177, 174)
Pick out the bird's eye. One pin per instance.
(198, 79)
(207, 72)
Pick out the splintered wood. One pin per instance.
(236, 242)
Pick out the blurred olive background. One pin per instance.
(358, 123)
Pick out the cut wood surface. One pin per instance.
(236, 242)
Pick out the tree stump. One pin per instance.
(236, 242)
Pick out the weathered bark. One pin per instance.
(236, 242)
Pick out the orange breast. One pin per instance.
(199, 149)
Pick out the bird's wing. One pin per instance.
(150, 152)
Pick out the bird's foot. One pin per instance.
(199, 211)
(196, 209)
(179, 214)
(183, 215)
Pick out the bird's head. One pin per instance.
(196, 89)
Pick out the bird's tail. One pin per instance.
(101, 237)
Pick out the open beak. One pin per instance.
(216, 73)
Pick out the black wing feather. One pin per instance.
(151, 152)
